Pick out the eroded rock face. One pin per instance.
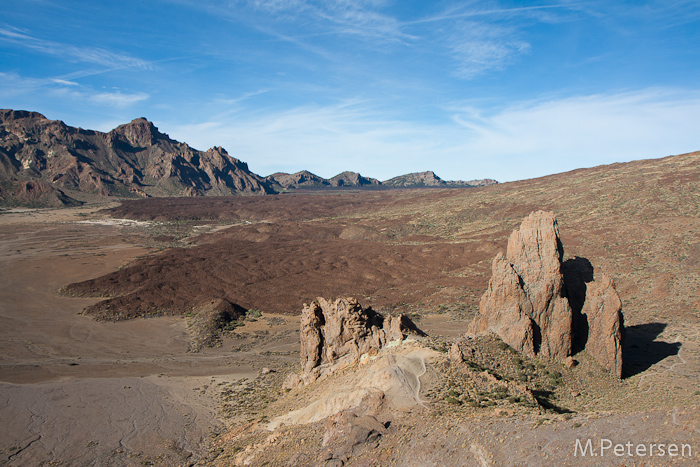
(539, 310)
(525, 302)
(603, 312)
(133, 158)
(336, 334)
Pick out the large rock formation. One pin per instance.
(336, 334)
(529, 305)
(602, 311)
(132, 160)
(525, 302)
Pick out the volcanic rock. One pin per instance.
(352, 179)
(336, 334)
(455, 353)
(541, 306)
(134, 159)
(415, 179)
(303, 179)
(525, 303)
(603, 311)
(35, 193)
(429, 179)
(208, 320)
(355, 434)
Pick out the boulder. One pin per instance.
(525, 303)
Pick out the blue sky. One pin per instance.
(500, 89)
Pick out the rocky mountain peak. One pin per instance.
(140, 133)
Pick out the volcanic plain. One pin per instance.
(97, 365)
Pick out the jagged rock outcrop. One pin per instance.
(336, 334)
(134, 159)
(602, 310)
(525, 302)
(539, 306)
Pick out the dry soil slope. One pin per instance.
(419, 251)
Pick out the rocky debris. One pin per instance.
(525, 302)
(336, 334)
(207, 322)
(353, 433)
(603, 311)
(134, 159)
(541, 306)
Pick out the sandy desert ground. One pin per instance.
(75, 391)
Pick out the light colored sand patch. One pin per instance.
(394, 374)
(124, 222)
(111, 421)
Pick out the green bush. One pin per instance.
(254, 313)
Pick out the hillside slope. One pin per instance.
(134, 159)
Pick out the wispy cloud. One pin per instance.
(563, 134)
(524, 140)
(118, 99)
(13, 85)
(478, 48)
(93, 55)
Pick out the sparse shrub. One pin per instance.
(513, 399)
(453, 393)
(253, 313)
(522, 378)
(232, 325)
(452, 400)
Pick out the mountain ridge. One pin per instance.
(45, 162)
(135, 159)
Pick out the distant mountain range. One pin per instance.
(306, 179)
(48, 163)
